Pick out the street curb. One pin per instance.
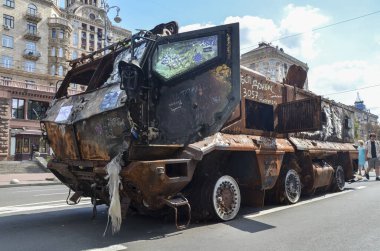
(30, 184)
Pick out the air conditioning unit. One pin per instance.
(6, 27)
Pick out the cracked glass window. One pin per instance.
(173, 59)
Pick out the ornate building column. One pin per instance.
(4, 124)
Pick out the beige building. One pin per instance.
(271, 61)
(38, 38)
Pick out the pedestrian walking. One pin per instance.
(372, 147)
(361, 159)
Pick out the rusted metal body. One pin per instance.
(182, 112)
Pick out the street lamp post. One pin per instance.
(106, 8)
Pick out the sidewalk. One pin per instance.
(25, 173)
(27, 179)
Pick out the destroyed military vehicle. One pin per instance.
(185, 127)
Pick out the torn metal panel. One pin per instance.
(228, 142)
(308, 144)
(337, 123)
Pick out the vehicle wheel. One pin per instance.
(338, 180)
(290, 190)
(226, 198)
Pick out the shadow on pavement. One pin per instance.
(73, 229)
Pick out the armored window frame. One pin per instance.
(202, 67)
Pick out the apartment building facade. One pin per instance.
(272, 62)
(38, 38)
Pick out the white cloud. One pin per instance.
(297, 19)
(302, 19)
(254, 30)
(347, 75)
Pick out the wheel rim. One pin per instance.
(339, 177)
(226, 198)
(292, 186)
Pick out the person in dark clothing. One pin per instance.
(372, 147)
(33, 150)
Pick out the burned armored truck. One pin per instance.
(185, 127)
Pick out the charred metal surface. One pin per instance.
(321, 147)
(323, 174)
(268, 108)
(337, 123)
(228, 142)
(289, 119)
(165, 178)
(270, 165)
(296, 76)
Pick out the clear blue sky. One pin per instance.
(341, 57)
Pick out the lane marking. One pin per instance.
(361, 187)
(40, 190)
(47, 194)
(117, 247)
(13, 209)
(277, 209)
(45, 202)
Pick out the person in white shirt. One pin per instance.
(372, 155)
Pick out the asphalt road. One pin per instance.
(37, 218)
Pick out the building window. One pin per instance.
(7, 41)
(18, 108)
(75, 39)
(32, 9)
(84, 40)
(36, 109)
(92, 16)
(60, 52)
(53, 33)
(52, 53)
(92, 28)
(84, 26)
(32, 28)
(52, 70)
(7, 62)
(60, 70)
(61, 34)
(30, 66)
(9, 3)
(8, 21)
(74, 55)
(31, 47)
(100, 33)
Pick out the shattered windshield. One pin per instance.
(126, 57)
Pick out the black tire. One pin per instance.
(226, 198)
(289, 190)
(338, 181)
(208, 198)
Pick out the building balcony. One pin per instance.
(31, 54)
(59, 41)
(32, 35)
(59, 22)
(33, 16)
